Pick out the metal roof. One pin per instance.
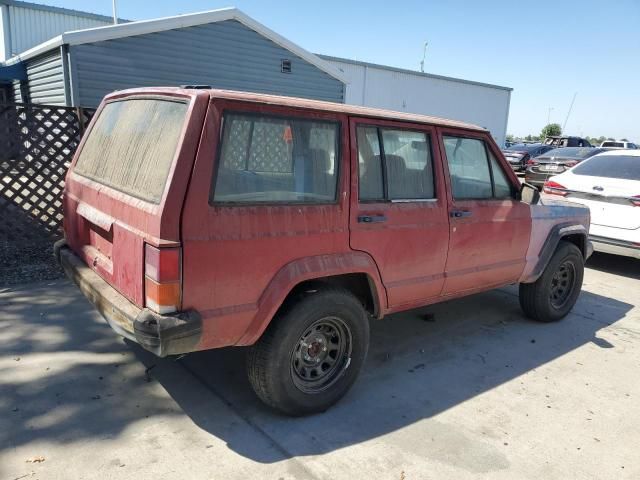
(412, 72)
(294, 102)
(142, 27)
(64, 11)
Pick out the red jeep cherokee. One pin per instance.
(198, 219)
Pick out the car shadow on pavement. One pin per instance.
(420, 363)
(64, 376)
(616, 264)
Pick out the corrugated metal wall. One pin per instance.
(375, 86)
(224, 55)
(29, 27)
(15, 88)
(45, 80)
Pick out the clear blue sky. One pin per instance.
(545, 50)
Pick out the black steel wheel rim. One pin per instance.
(322, 355)
(562, 284)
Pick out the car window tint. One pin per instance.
(407, 156)
(502, 186)
(370, 164)
(468, 167)
(267, 159)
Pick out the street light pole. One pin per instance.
(548, 114)
(115, 14)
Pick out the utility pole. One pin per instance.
(549, 115)
(115, 13)
(424, 54)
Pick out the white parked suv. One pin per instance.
(609, 184)
(614, 144)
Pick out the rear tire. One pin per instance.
(553, 295)
(311, 353)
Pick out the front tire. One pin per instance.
(553, 295)
(311, 353)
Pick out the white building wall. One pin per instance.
(377, 86)
(28, 27)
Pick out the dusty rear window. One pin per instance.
(132, 144)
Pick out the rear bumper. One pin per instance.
(160, 334)
(615, 246)
(537, 179)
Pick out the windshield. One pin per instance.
(572, 152)
(132, 144)
(613, 144)
(625, 167)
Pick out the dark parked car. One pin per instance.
(519, 154)
(557, 161)
(566, 141)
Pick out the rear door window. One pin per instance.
(132, 145)
(394, 164)
(270, 159)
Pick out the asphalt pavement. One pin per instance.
(466, 389)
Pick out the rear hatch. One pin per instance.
(128, 181)
(552, 165)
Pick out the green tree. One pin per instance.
(510, 137)
(624, 140)
(551, 130)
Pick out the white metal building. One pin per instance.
(24, 25)
(392, 88)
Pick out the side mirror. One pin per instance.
(529, 194)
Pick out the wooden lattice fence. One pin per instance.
(37, 143)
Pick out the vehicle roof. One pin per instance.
(573, 152)
(524, 146)
(294, 102)
(562, 136)
(628, 153)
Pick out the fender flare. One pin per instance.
(310, 268)
(556, 234)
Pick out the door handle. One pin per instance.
(460, 213)
(371, 219)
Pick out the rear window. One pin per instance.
(269, 159)
(613, 144)
(572, 152)
(624, 167)
(132, 144)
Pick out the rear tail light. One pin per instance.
(162, 279)
(554, 188)
(570, 164)
(531, 161)
(635, 200)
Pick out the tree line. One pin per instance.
(553, 130)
